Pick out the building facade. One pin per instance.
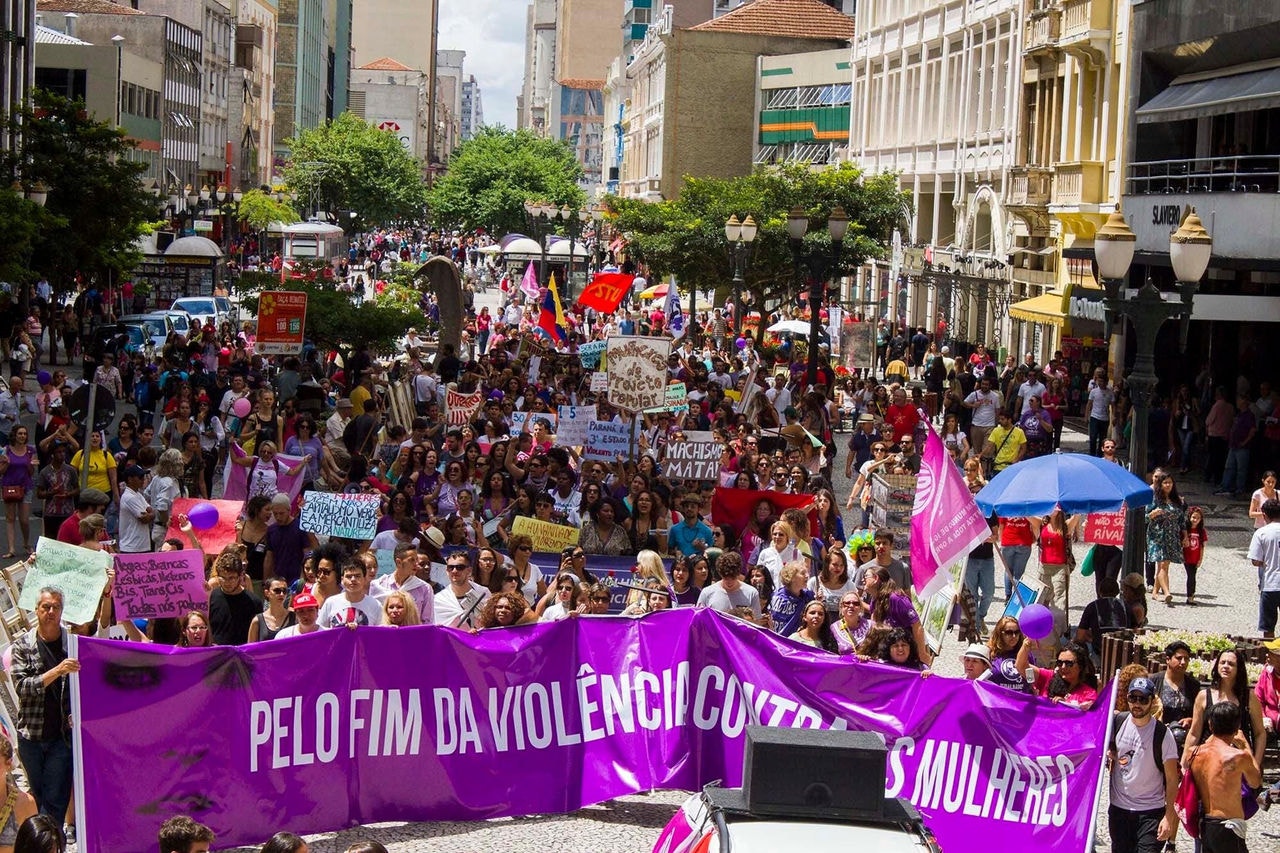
(535, 107)
(804, 108)
(448, 103)
(301, 74)
(472, 108)
(394, 98)
(17, 61)
(252, 114)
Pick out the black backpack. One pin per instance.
(1157, 743)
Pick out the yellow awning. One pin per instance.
(1045, 308)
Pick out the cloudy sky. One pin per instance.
(492, 34)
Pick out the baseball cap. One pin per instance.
(135, 471)
(304, 600)
(1142, 685)
(977, 651)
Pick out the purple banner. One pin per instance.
(540, 719)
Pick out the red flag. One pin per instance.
(734, 506)
(605, 292)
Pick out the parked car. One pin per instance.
(158, 325)
(182, 322)
(119, 339)
(203, 308)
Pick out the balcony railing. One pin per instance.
(1252, 173)
(1030, 186)
(1077, 183)
(1081, 16)
(1043, 28)
(1039, 278)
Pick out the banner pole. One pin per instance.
(77, 744)
(1103, 769)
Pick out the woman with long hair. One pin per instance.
(399, 611)
(18, 467)
(531, 580)
(684, 593)
(1054, 402)
(892, 608)
(814, 629)
(496, 495)
(830, 523)
(1054, 534)
(276, 617)
(833, 582)
(265, 469)
(195, 630)
(306, 443)
(505, 609)
(192, 467)
(649, 568)
(16, 805)
(1004, 644)
(1072, 681)
(647, 526)
(1228, 682)
(755, 535)
(601, 532)
(212, 434)
(954, 439)
(1166, 523)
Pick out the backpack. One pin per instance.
(1117, 720)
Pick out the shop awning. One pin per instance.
(1045, 308)
(1229, 93)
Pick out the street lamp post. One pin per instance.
(819, 265)
(1189, 250)
(542, 217)
(741, 235)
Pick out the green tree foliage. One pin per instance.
(348, 164)
(685, 237)
(19, 224)
(258, 210)
(495, 172)
(97, 207)
(333, 322)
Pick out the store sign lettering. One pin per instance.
(1088, 309)
(1166, 214)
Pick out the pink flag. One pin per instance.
(946, 523)
(529, 284)
(235, 484)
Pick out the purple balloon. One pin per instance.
(1036, 621)
(203, 516)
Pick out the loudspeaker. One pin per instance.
(814, 773)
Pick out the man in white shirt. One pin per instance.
(779, 395)
(1101, 398)
(13, 403)
(354, 607)
(1264, 552)
(405, 579)
(985, 403)
(337, 423)
(136, 514)
(307, 611)
(1033, 387)
(1144, 776)
(458, 605)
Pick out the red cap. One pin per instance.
(304, 599)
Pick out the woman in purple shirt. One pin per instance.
(17, 479)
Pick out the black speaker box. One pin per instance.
(814, 773)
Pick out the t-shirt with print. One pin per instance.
(1136, 784)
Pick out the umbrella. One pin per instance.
(790, 327)
(658, 291)
(1075, 482)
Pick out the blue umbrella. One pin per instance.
(1075, 482)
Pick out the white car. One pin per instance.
(202, 308)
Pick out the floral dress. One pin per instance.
(1164, 533)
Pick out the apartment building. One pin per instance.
(252, 115)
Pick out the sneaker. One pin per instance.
(70, 832)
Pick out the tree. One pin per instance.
(685, 237)
(258, 210)
(97, 207)
(495, 172)
(348, 164)
(333, 322)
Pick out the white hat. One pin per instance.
(978, 651)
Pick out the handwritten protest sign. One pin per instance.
(589, 354)
(606, 441)
(637, 371)
(599, 383)
(81, 574)
(572, 428)
(386, 561)
(695, 458)
(213, 540)
(161, 585)
(459, 408)
(546, 536)
(1105, 528)
(675, 399)
(344, 516)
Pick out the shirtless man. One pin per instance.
(1217, 766)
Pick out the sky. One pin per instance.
(492, 34)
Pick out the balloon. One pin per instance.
(203, 516)
(1036, 621)
(240, 408)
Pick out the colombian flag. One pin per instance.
(551, 319)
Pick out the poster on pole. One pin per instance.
(341, 515)
(637, 371)
(589, 354)
(160, 585)
(573, 423)
(81, 574)
(282, 317)
(696, 457)
(599, 382)
(857, 345)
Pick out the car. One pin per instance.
(158, 325)
(182, 322)
(203, 308)
(820, 790)
(114, 338)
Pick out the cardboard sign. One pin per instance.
(637, 371)
(460, 408)
(606, 441)
(697, 457)
(282, 316)
(675, 400)
(546, 536)
(81, 575)
(343, 516)
(213, 540)
(590, 352)
(599, 383)
(572, 428)
(161, 585)
(1105, 528)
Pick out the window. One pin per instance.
(780, 99)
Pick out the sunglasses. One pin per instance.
(600, 599)
(323, 572)
(1010, 632)
(565, 587)
(525, 548)
(1065, 663)
(511, 579)
(1139, 699)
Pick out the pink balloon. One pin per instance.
(203, 516)
(240, 408)
(1036, 621)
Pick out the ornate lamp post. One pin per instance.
(1190, 248)
(542, 218)
(819, 265)
(741, 236)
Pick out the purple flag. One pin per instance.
(529, 284)
(946, 523)
(330, 730)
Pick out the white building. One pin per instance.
(393, 98)
(535, 106)
(472, 108)
(935, 96)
